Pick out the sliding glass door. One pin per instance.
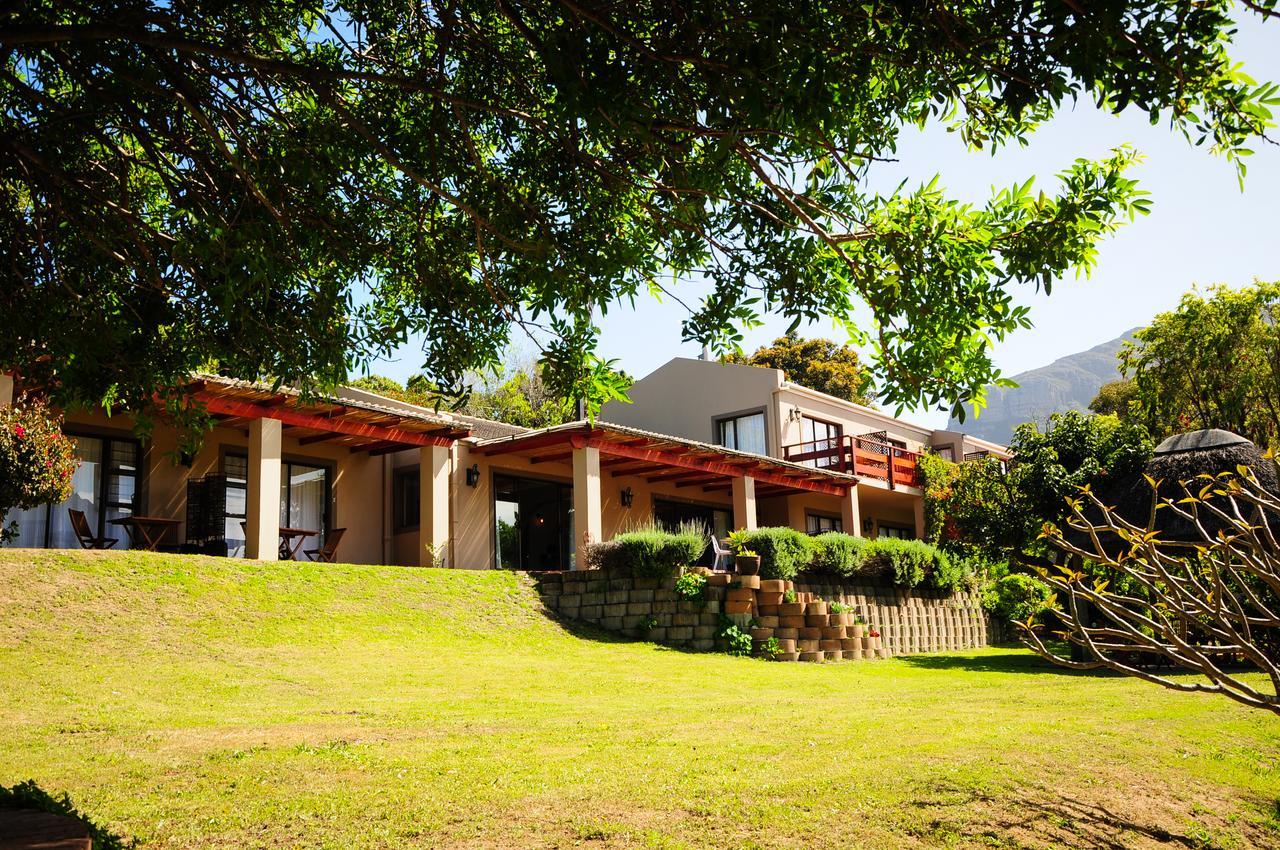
(104, 487)
(533, 523)
(304, 500)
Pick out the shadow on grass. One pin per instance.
(1022, 820)
(29, 795)
(1008, 661)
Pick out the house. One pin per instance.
(725, 446)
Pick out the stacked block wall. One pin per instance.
(909, 621)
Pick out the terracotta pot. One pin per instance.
(773, 585)
(858, 630)
(747, 565)
(816, 620)
(815, 656)
(791, 609)
(786, 644)
(792, 622)
(787, 656)
(851, 654)
(766, 610)
(818, 607)
(833, 632)
(752, 582)
(719, 580)
(829, 645)
(765, 620)
(783, 633)
(841, 619)
(768, 597)
(738, 606)
(851, 644)
(833, 655)
(810, 633)
(739, 593)
(807, 645)
(761, 634)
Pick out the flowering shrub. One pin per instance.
(691, 586)
(36, 460)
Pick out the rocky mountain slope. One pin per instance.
(1068, 383)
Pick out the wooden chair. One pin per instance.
(80, 525)
(329, 550)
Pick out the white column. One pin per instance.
(6, 390)
(433, 506)
(586, 498)
(919, 506)
(744, 502)
(262, 508)
(851, 513)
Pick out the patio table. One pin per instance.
(145, 532)
(291, 540)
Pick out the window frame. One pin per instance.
(399, 478)
(718, 422)
(837, 523)
(285, 479)
(134, 506)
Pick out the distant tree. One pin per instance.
(819, 364)
(999, 510)
(1214, 362)
(516, 394)
(288, 188)
(1114, 398)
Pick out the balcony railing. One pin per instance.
(858, 456)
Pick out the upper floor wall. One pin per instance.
(718, 403)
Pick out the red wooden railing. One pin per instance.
(858, 456)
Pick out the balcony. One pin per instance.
(859, 456)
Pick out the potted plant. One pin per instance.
(859, 627)
(873, 638)
(746, 562)
(839, 613)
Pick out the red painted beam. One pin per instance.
(550, 458)
(701, 479)
(218, 404)
(767, 476)
(520, 444)
(642, 469)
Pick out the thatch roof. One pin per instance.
(1182, 457)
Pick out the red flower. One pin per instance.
(48, 464)
(19, 431)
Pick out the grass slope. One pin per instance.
(200, 702)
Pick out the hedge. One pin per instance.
(647, 553)
(838, 553)
(783, 551)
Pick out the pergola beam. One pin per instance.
(288, 416)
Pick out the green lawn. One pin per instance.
(194, 702)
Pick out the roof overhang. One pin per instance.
(359, 427)
(661, 457)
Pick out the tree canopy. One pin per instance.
(818, 364)
(1214, 362)
(283, 190)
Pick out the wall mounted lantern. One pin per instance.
(473, 475)
(627, 497)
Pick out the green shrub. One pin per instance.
(783, 551)
(654, 553)
(906, 563)
(1016, 597)
(609, 555)
(691, 587)
(838, 553)
(737, 642)
(770, 649)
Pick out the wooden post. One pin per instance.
(262, 504)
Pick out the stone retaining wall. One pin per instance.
(909, 621)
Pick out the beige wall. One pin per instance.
(684, 398)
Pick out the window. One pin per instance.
(304, 499)
(817, 524)
(947, 452)
(897, 531)
(104, 487)
(405, 494)
(744, 433)
(821, 436)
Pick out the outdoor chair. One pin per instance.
(329, 550)
(723, 554)
(80, 525)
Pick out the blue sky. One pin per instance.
(1202, 229)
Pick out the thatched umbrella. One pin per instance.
(1181, 457)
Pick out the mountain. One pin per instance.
(1069, 383)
